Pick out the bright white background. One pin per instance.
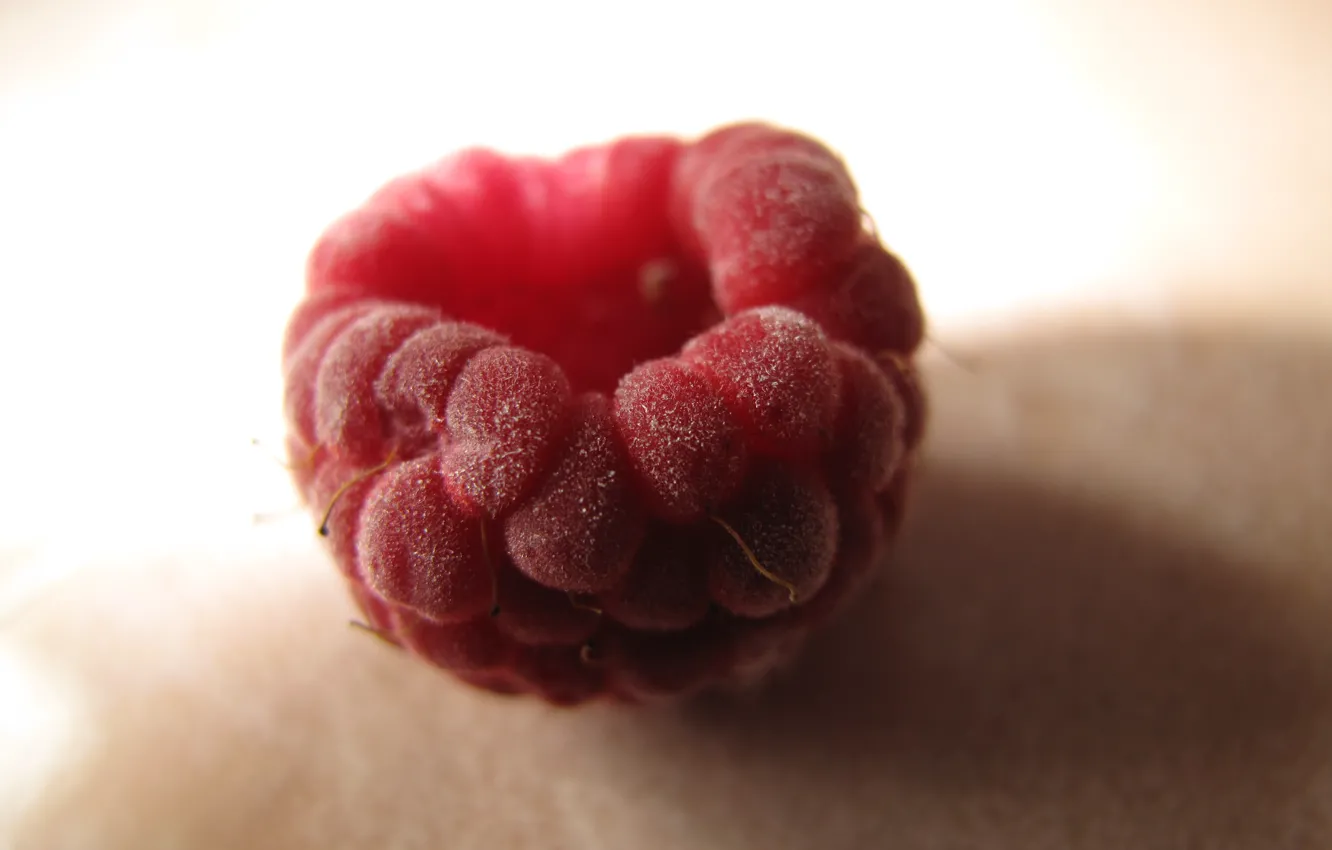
(164, 167)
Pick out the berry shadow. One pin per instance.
(1090, 609)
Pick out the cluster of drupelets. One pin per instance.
(617, 425)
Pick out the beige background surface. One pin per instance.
(1109, 621)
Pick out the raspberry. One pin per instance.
(616, 426)
(419, 549)
(537, 615)
(774, 367)
(506, 407)
(666, 588)
(579, 532)
(686, 446)
(784, 531)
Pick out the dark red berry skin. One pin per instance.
(620, 425)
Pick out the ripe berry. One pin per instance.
(614, 426)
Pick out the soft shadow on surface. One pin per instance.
(1019, 628)
(1051, 650)
(1017, 624)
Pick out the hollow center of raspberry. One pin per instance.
(599, 328)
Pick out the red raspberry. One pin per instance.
(616, 426)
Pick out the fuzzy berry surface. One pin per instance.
(619, 425)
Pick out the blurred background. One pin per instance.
(1045, 168)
